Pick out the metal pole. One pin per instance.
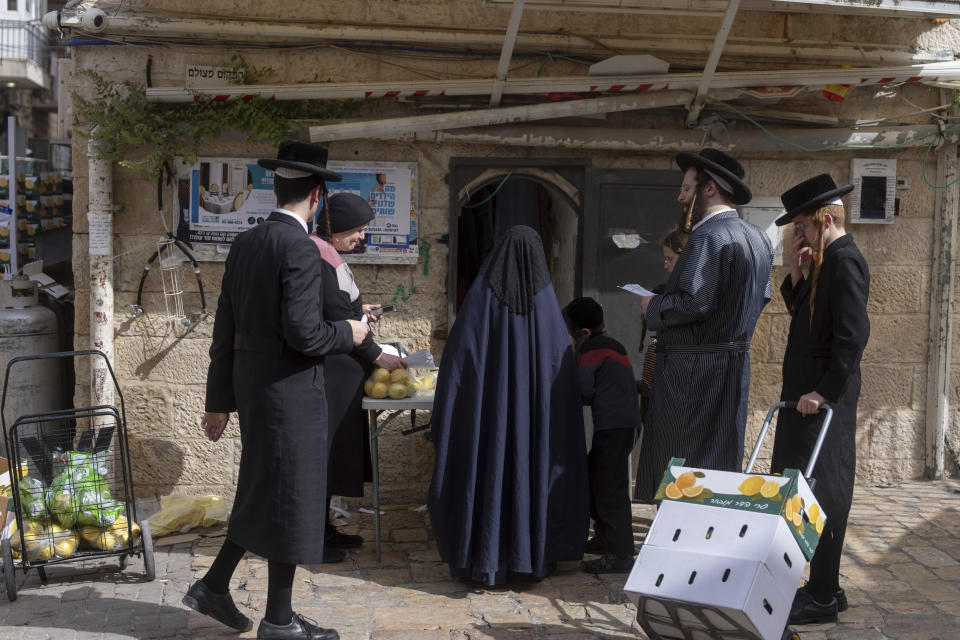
(506, 53)
(503, 115)
(12, 182)
(701, 98)
(943, 284)
(100, 237)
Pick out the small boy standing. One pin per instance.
(607, 384)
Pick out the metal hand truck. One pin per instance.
(72, 486)
(699, 621)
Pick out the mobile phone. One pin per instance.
(383, 310)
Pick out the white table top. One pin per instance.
(419, 401)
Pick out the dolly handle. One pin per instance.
(827, 411)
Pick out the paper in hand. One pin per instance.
(422, 358)
(637, 289)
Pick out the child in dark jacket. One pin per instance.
(608, 386)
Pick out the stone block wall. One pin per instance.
(162, 375)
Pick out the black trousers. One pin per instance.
(610, 489)
(825, 565)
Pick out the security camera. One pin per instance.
(92, 20)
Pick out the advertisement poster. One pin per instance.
(221, 197)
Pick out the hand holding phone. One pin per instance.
(382, 310)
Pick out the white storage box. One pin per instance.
(725, 553)
(698, 592)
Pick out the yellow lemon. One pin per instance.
(813, 512)
(769, 489)
(398, 375)
(368, 387)
(751, 485)
(819, 525)
(692, 492)
(686, 480)
(788, 512)
(797, 502)
(381, 375)
(797, 519)
(379, 390)
(672, 492)
(397, 390)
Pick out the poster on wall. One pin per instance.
(221, 197)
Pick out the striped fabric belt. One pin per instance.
(720, 347)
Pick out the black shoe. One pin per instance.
(338, 540)
(596, 546)
(841, 600)
(806, 610)
(609, 563)
(218, 606)
(300, 628)
(332, 556)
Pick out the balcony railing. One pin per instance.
(24, 41)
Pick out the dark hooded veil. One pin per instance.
(509, 492)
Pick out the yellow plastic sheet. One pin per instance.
(179, 514)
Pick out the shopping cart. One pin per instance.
(72, 488)
(726, 551)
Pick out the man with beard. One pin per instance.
(704, 321)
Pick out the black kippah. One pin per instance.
(585, 313)
(348, 211)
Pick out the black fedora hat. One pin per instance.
(809, 195)
(303, 157)
(348, 211)
(721, 166)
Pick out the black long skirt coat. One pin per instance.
(266, 363)
(823, 355)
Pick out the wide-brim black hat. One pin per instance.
(348, 211)
(810, 195)
(725, 167)
(302, 156)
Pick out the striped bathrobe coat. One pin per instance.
(704, 321)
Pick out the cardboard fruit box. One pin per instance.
(725, 552)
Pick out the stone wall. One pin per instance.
(163, 376)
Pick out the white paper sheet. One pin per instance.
(637, 289)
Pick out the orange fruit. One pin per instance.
(379, 390)
(692, 492)
(686, 480)
(769, 489)
(751, 485)
(368, 387)
(381, 375)
(672, 492)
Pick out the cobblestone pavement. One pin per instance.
(901, 573)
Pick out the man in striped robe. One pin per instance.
(704, 321)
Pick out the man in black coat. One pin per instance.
(829, 328)
(266, 363)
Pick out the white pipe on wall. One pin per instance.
(650, 83)
(100, 251)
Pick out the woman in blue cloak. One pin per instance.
(510, 494)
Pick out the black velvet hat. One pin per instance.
(348, 211)
(585, 313)
(300, 157)
(810, 195)
(723, 167)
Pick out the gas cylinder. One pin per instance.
(27, 328)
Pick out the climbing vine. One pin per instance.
(146, 136)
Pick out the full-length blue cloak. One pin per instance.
(510, 491)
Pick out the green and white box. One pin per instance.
(726, 552)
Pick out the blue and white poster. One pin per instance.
(221, 197)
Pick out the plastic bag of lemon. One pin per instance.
(398, 384)
(787, 495)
